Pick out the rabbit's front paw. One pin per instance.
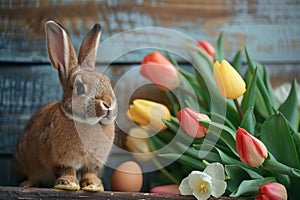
(67, 182)
(91, 183)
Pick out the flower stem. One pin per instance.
(164, 171)
(237, 105)
(174, 109)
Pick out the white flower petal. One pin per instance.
(202, 196)
(218, 188)
(184, 187)
(196, 179)
(216, 171)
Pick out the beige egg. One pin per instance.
(128, 177)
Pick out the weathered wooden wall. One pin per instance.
(270, 29)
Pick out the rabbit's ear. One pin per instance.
(88, 49)
(60, 49)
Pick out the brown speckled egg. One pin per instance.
(128, 177)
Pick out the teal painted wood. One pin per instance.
(270, 29)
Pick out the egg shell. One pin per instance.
(128, 177)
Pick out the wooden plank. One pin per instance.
(42, 193)
(268, 28)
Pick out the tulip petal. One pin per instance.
(201, 196)
(229, 82)
(251, 151)
(166, 189)
(216, 171)
(218, 188)
(189, 121)
(184, 187)
(160, 71)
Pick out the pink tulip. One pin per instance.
(166, 189)
(251, 150)
(210, 50)
(272, 191)
(189, 121)
(160, 71)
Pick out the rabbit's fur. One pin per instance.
(77, 133)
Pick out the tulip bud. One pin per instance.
(189, 121)
(272, 191)
(229, 82)
(138, 143)
(149, 113)
(160, 71)
(251, 150)
(209, 49)
(166, 189)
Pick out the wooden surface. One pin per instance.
(41, 193)
(270, 29)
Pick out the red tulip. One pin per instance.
(166, 189)
(272, 191)
(251, 150)
(189, 121)
(160, 71)
(210, 50)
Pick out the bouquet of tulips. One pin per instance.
(222, 133)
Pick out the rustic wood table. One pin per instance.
(45, 193)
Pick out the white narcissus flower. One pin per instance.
(203, 184)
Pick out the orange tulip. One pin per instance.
(272, 191)
(207, 47)
(251, 150)
(189, 121)
(160, 71)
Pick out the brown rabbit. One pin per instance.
(76, 133)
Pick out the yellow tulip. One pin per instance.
(229, 82)
(137, 142)
(149, 114)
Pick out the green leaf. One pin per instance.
(249, 96)
(261, 86)
(184, 159)
(261, 105)
(237, 61)
(201, 52)
(248, 121)
(173, 126)
(210, 156)
(220, 48)
(159, 146)
(277, 137)
(249, 188)
(290, 107)
(274, 166)
(220, 131)
(171, 58)
(296, 137)
(266, 80)
(237, 174)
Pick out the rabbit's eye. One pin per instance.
(79, 88)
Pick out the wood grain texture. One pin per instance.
(40, 193)
(270, 29)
